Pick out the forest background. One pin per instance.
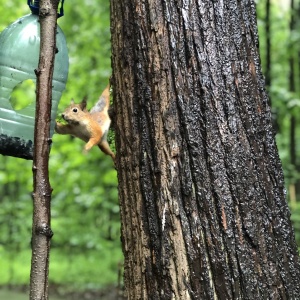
(86, 249)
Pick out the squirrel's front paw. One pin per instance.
(57, 126)
(86, 148)
(84, 151)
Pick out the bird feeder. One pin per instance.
(19, 56)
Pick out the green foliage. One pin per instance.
(87, 29)
(285, 102)
(23, 95)
(85, 211)
(86, 247)
(7, 294)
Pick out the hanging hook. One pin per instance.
(35, 7)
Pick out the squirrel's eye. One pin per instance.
(75, 110)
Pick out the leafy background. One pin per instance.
(86, 251)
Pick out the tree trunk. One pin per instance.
(201, 188)
(41, 230)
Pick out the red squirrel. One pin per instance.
(90, 126)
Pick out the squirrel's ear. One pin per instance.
(83, 103)
(72, 101)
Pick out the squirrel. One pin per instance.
(90, 126)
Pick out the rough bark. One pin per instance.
(201, 188)
(41, 230)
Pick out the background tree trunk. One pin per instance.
(268, 45)
(293, 119)
(201, 188)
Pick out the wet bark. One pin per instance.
(202, 198)
(41, 230)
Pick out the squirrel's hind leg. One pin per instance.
(104, 146)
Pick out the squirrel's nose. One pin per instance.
(63, 116)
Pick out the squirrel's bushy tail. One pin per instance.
(103, 102)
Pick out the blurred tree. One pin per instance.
(268, 44)
(292, 116)
(203, 206)
(284, 88)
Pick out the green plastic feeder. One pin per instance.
(19, 55)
